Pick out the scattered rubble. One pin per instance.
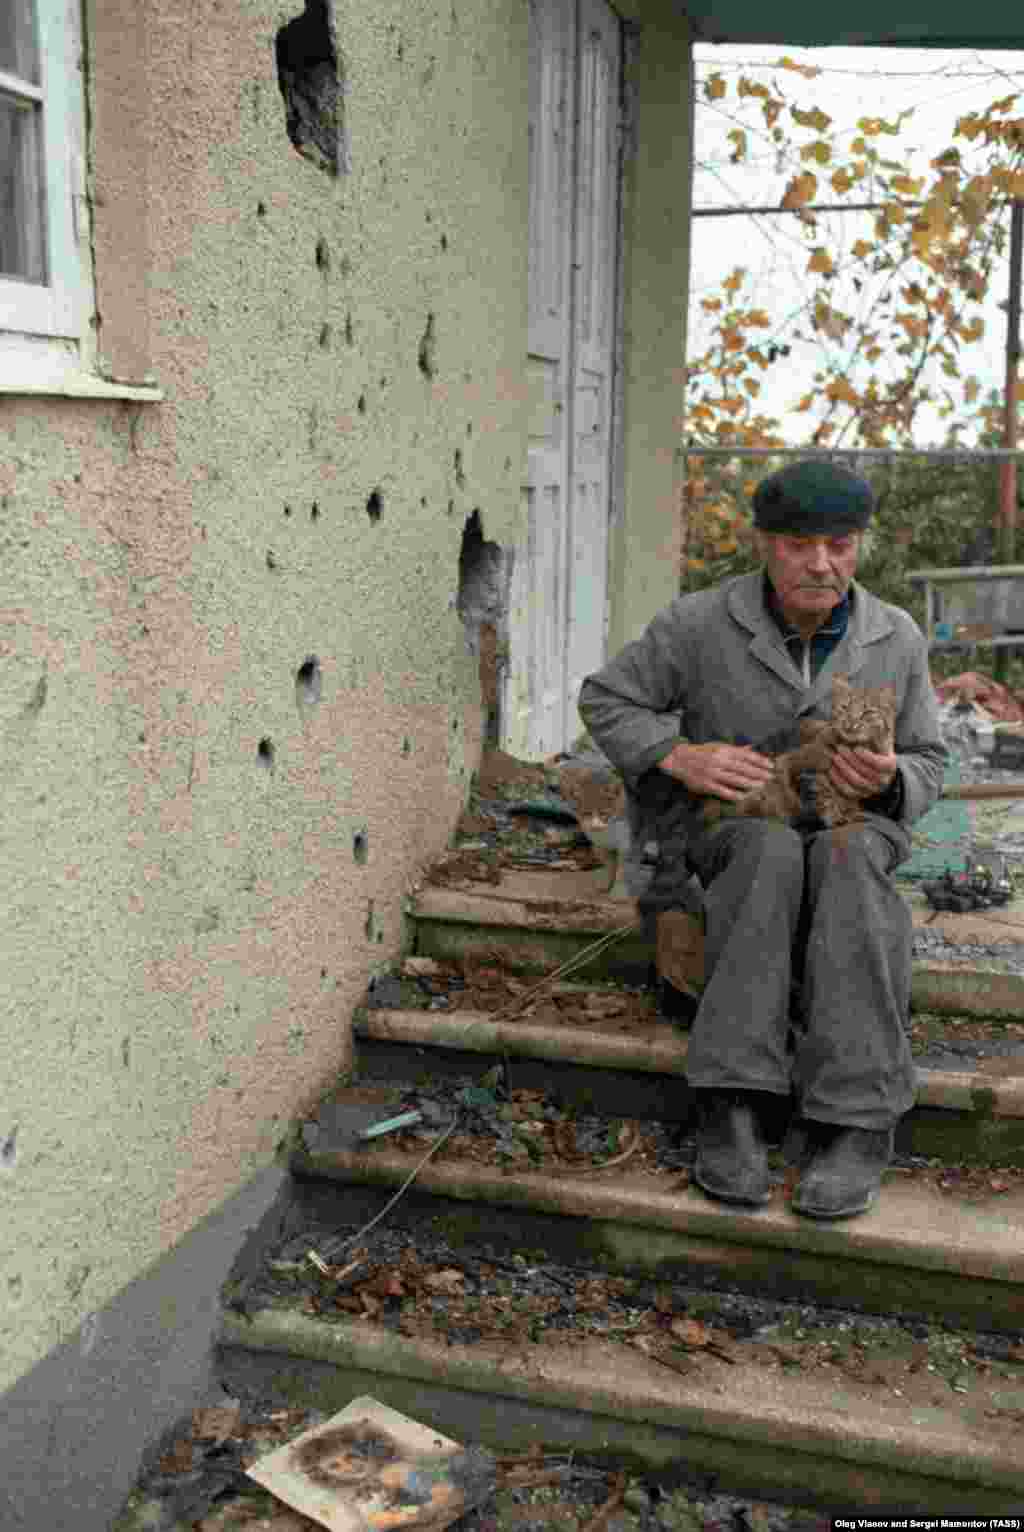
(996, 700)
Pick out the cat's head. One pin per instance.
(863, 716)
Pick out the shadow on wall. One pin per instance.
(485, 572)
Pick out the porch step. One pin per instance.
(920, 1251)
(812, 1436)
(813, 1441)
(936, 1252)
(530, 922)
(960, 1116)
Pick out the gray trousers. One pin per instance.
(812, 916)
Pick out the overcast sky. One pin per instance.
(855, 82)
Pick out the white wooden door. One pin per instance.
(559, 588)
(594, 274)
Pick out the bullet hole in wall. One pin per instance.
(314, 511)
(308, 682)
(325, 337)
(360, 848)
(460, 476)
(423, 502)
(271, 560)
(428, 349)
(374, 506)
(361, 404)
(444, 242)
(349, 332)
(287, 510)
(469, 428)
(451, 507)
(261, 210)
(485, 572)
(311, 79)
(9, 1150)
(265, 754)
(323, 255)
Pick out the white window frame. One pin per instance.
(46, 334)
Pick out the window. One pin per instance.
(46, 285)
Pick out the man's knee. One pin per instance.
(849, 847)
(752, 843)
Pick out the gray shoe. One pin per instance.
(844, 1174)
(732, 1159)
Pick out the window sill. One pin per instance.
(80, 385)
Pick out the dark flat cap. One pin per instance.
(814, 497)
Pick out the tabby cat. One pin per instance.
(864, 716)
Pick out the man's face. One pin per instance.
(809, 574)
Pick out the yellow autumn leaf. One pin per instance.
(738, 139)
(800, 190)
(748, 87)
(808, 71)
(715, 87)
(734, 281)
(914, 327)
(972, 388)
(759, 319)
(1003, 104)
(862, 249)
(712, 305)
(821, 261)
(973, 331)
(907, 186)
(771, 110)
(815, 118)
(842, 392)
(805, 402)
(841, 181)
(752, 387)
(732, 340)
(820, 151)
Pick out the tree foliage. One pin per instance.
(893, 314)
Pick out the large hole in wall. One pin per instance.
(311, 79)
(485, 569)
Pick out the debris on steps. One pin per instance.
(614, 1044)
(872, 1410)
(945, 1241)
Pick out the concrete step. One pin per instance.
(770, 1435)
(945, 1254)
(530, 921)
(962, 1116)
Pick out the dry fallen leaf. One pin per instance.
(216, 1423)
(450, 1280)
(691, 1332)
(422, 967)
(178, 1459)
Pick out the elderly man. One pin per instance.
(807, 941)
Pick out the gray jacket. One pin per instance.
(713, 666)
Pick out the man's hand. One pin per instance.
(718, 770)
(861, 773)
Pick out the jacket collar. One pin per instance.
(869, 621)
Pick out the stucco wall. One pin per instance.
(189, 922)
